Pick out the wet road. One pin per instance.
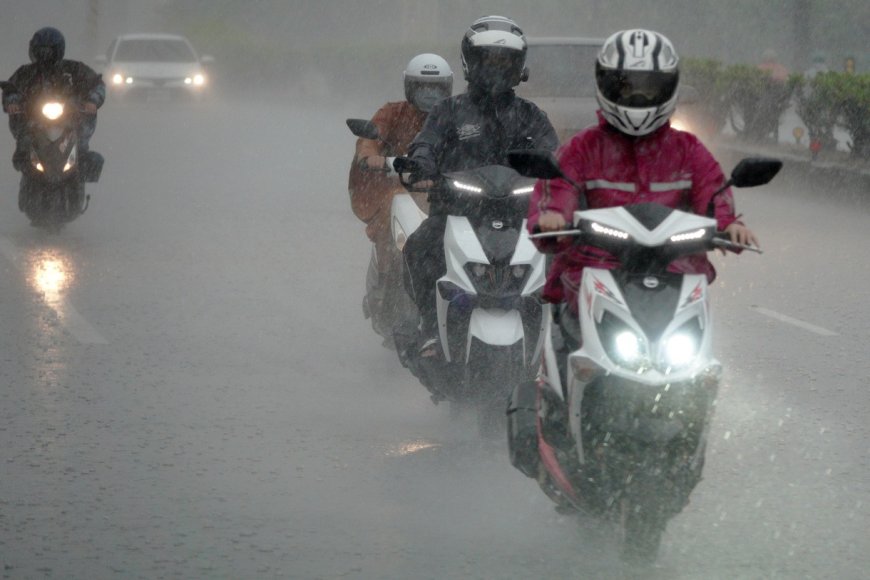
(188, 388)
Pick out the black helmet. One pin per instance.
(494, 54)
(47, 46)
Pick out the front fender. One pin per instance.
(495, 327)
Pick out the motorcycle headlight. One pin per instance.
(462, 186)
(118, 79)
(627, 345)
(622, 344)
(608, 231)
(52, 110)
(524, 190)
(680, 350)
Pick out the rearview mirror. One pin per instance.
(535, 163)
(755, 171)
(363, 129)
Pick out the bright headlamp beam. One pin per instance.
(52, 110)
(524, 190)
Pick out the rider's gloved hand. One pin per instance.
(13, 109)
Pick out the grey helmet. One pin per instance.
(637, 78)
(494, 54)
(428, 79)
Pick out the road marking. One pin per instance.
(794, 321)
(66, 313)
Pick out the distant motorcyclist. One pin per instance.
(372, 181)
(632, 156)
(467, 131)
(49, 72)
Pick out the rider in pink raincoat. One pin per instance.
(632, 156)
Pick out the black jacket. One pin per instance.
(68, 78)
(473, 130)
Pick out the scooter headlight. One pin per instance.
(71, 160)
(680, 350)
(466, 187)
(622, 344)
(52, 110)
(628, 347)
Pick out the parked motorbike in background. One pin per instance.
(491, 318)
(621, 431)
(53, 177)
(386, 303)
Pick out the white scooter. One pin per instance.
(491, 318)
(623, 436)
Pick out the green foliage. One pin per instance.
(756, 101)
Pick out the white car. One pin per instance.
(154, 65)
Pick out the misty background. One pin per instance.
(344, 49)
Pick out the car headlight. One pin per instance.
(118, 79)
(52, 110)
(198, 80)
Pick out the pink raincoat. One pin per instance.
(668, 166)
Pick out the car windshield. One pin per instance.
(561, 70)
(164, 50)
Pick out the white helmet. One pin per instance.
(638, 81)
(494, 54)
(428, 79)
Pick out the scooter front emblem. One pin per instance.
(651, 282)
(497, 225)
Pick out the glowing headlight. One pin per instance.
(39, 167)
(467, 187)
(524, 190)
(198, 80)
(118, 79)
(129, 80)
(688, 236)
(628, 346)
(679, 125)
(680, 350)
(604, 230)
(52, 110)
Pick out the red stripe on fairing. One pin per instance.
(551, 464)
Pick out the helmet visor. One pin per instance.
(495, 67)
(637, 89)
(424, 95)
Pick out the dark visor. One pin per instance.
(637, 89)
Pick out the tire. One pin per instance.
(642, 529)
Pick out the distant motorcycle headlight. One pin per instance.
(118, 79)
(680, 350)
(52, 110)
(198, 80)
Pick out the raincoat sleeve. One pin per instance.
(707, 177)
(12, 90)
(427, 148)
(557, 195)
(542, 135)
(93, 87)
(368, 188)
